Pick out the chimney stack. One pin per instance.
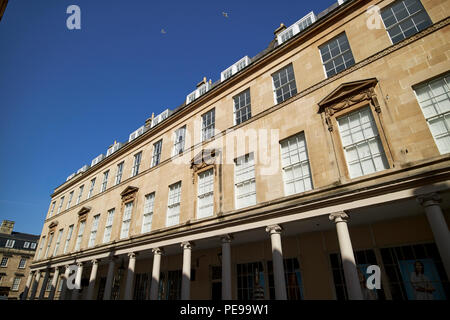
(201, 82)
(7, 227)
(282, 27)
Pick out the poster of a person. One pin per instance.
(421, 280)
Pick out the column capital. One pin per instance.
(226, 238)
(340, 216)
(80, 264)
(430, 199)
(274, 229)
(94, 261)
(158, 251)
(187, 245)
(132, 255)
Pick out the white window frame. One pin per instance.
(22, 263)
(147, 217)
(234, 68)
(80, 194)
(346, 64)
(136, 165)
(4, 262)
(52, 208)
(277, 74)
(208, 124)
(119, 173)
(105, 180)
(61, 202)
(80, 235)
(173, 204)
(410, 16)
(198, 92)
(244, 166)
(91, 189)
(68, 238)
(94, 228)
(367, 141)
(10, 243)
(438, 114)
(16, 284)
(41, 247)
(295, 28)
(296, 149)
(70, 199)
(179, 139)
(58, 241)
(26, 244)
(33, 245)
(205, 194)
(108, 225)
(156, 156)
(126, 220)
(238, 107)
(49, 243)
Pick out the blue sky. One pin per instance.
(66, 95)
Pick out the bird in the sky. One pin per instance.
(225, 14)
(163, 31)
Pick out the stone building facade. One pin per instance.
(16, 254)
(326, 153)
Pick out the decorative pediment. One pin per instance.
(349, 93)
(84, 210)
(53, 224)
(128, 190)
(205, 158)
(129, 193)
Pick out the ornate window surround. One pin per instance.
(206, 159)
(129, 194)
(346, 98)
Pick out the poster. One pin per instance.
(421, 280)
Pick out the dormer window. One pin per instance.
(202, 88)
(297, 27)
(235, 68)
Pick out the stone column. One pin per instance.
(92, 279)
(35, 285)
(130, 276)
(186, 277)
(51, 296)
(438, 226)
(109, 280)
(157, 252)
(226, 266)
(348, 259)
(278, 263)
(77, 288)
(63, 294)
(27, 285)
(44, 284)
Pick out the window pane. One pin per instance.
(405, 18)
(362, 145)
(434, 100)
